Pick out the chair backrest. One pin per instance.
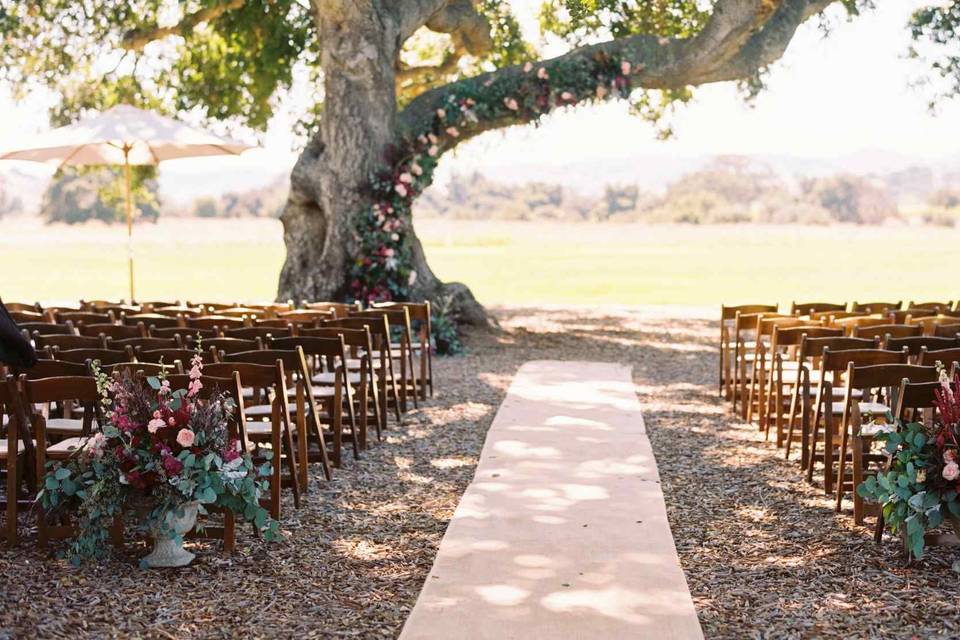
(96, 305)
(806, 308)
(790, 336)
(946, 330)
(849, 323)
(78, 390)
(899, 316)
(888, 375)
(306, 317)
(913, 344)
(229, 345)
(288, 357)
(47, 368)
(351, 337)
(70, 342)
(832, 316)
(175, 311)
(86, 317)
(916, 401)
(838, 361)
(876, 307)
(329, 348)
(104, 356)
(115, 331)
(939, 306)
(277, 323)
(167, 356)
(148, 343)
(258, 331)
(243, 312)
(148, 306)
(339, 309)
(214, 322)
(151, 320)
(147, 368)
(183, 333)
(32, 307)
(11, 405)
(944, 356)
(766, 326)
(883, 330)
(47, 328)
(28, 316)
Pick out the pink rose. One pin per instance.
(951, 471)
(416, 169)
(542, 73)
(567, 96)
(401, 189)
(405, 177)
(433, 151)
(185, 438)
(950, 455)
(511, 104)
(155, 425)
(452, 132)
(441, 114)
(527, 67)
(625, 68)
(601, 91)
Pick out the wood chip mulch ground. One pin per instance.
(764, 554)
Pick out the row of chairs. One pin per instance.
(826, 378)
(305, 390)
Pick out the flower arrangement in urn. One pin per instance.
(920, 488)
(161, 456)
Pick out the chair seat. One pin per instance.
(318, 392)
(865, 408)
(265, 410)
(838, 392)
(415, 347)
(4, 448)
(330, 378)
(259, 429)
(64, 426)
(65, 448)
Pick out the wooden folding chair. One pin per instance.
(28, 316)
(806, 386)
(165, 356)
(939, 306)
(83, 356)
(83, 317)
(850, 324)
(77, 390)
(762, 363)
(220, 346)
(147, 343)
(184, 334)
(785, 375)
(47, 328)
(879, 381)
(728, 341)
(420, 349)
(177, 310)
(216, 322)
(899, 316)
(340, 309)
(359, 361)
(17, 455)
(268, 382)
(388, 393)
(833, 365)
(399, 322)
(151, 320)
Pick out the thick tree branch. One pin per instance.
(137, 39)
(734, 46)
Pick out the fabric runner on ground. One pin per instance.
(563, 531)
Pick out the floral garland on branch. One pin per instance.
(383, 271)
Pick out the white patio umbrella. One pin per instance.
(123, 135)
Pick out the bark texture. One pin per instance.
(361, 41)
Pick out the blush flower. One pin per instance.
(401, 189)
(542, 73)
(155, 425)
(453, 132)
(433, 151)
(416, 169)
(405, 177)
(625, 67)
(951, 471)
(511, 104)
(185, 438)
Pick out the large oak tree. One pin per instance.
(393, 84)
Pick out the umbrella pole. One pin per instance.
(126, 171)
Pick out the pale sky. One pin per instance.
(827, 97)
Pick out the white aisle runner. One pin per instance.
(563, 531)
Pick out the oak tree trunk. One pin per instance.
(359, 47)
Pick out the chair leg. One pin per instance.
(828, 477)
(857, 445)
(229, 532)
(12, 491)
(841, 469)
(303, 447)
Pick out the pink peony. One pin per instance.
(950, 455)
(401, 189)
(542, 73)
(155, 425)
(185, 438)
(951, 471)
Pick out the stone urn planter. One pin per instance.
(167, 551)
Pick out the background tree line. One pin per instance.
(727, 189)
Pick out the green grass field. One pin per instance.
(503, 262)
